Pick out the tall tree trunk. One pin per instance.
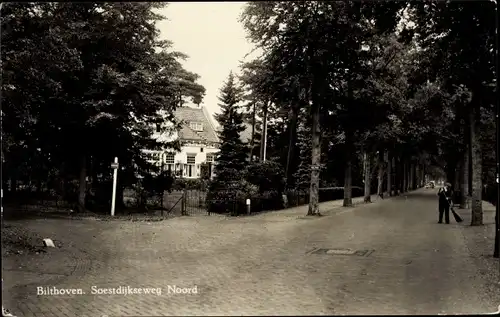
(422, 175)
(292, 142)
(413, 176)
(380, 176)
(416, 175)
(419, 176)
(367, 177)
(315, 161)
(470, 165)
(252, 140)
(263, 140)
(401, 175)
(389, 174)
(348, 171)
(456, 177)
(410, 176)
(405, 176)
(397, 175)
(460, 188)
(477, 182)
(82, 189)
(465, 177)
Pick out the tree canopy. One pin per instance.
(83, 83)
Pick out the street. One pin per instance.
(267, 264)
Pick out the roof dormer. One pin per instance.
(196, 126)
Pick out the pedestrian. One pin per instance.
(445, 200)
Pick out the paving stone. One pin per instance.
(260, 265)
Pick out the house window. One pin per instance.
(197, 126)
(191, 158)
(191, 168)
(210, 158)
(169, 159)
(157, 158)
(201, 150)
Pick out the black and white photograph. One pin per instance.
(249, 158)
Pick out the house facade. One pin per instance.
(199, 144)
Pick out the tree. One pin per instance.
(231, 160)
(314, 60)
(88, 83)
(303, 172)
(459, 42)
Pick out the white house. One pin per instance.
(199, 143)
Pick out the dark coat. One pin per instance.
(445, 195)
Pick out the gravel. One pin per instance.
(480, 242)
(18, 240)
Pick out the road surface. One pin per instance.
(268, 264)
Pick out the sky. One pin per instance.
(210, 34)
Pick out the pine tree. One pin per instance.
(231, 158)
(303, 174)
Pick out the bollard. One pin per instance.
(248, 206)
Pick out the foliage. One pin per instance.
(303, 173)
(158, 184)
(229, 182)
(231, 156)
(267, 176)
(189, 184)
(231, 198)
(86, 82)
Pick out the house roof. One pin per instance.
(245, 135)
(189, 114)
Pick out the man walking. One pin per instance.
(445, 200)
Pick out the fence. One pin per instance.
(195, 201)
(185, 202)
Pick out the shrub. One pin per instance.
(230, 198)
(267, 176)
(268, 200)
(158, 184)
(190, 184)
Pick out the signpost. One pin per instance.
(114, 166)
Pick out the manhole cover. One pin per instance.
(342, 251)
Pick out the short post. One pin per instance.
(248, 206)
(114, 166)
